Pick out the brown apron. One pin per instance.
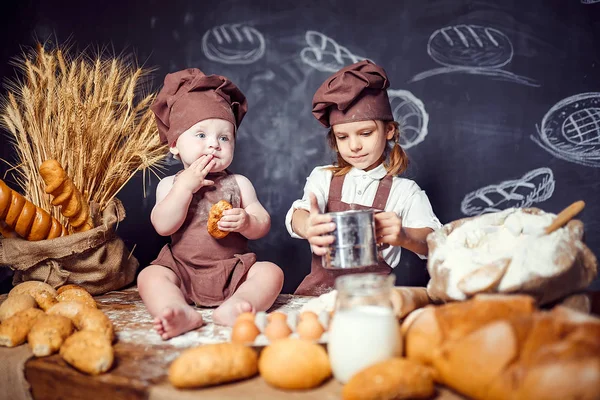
(209, 270)
(321, 280)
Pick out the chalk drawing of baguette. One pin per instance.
(570, 130)
(472, 49)
(534, 187)
(325, 54)
(409, 112)
(233, 44)
(590, 1)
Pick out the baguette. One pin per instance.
(26, 219)
(494, 348)
(407, 299)
(66, 195)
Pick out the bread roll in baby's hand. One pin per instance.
(216, 212)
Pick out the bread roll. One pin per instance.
(67, 287)
(294, 364)
(68, 309)
(213, 364)
(48, 333)
(215, 214)
(88, 351)
(84, 317)
(32, 288)
(407, 299)
(396, 378)
(14, 304)
(45, 299)
(78, 295)
(66, 195)
(14, 330)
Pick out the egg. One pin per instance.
(309, 329)
(276, 316)
(245, 316)
(277, 329)
(244, 331)
(308, 314)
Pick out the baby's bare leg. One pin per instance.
(262, 286)
(159, 288)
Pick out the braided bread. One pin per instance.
(25, 218)
(66, 195)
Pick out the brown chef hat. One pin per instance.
(189, 96)
(356, 92)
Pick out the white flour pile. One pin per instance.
(510, 234)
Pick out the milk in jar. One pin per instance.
(364, 329)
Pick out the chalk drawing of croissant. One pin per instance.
(472, 49)
(325, 54)
(534, 187)
(570, 130)
(409, 112)
(233, 44)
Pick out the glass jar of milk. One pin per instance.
(364, 329)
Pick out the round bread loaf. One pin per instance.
(32, 287)
(233, 44)
(77, 294)
(216, 212)
(48, 333)
(294, 364)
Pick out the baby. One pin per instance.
(198, 115)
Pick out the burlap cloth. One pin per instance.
(97, 259)
(13, 385)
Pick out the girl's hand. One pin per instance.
(388, 229)
(234, 220)
(193, 177)
(316, 225)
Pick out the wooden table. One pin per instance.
(142, 359)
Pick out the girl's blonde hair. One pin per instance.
(395, 160)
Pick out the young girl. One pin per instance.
(198, 116)
(354, 104)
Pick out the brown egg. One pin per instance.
(308, 314)
(309, 329)
(277, 316)
(277, 329)
(245, 316)
(244, 332)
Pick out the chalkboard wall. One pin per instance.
(499, 100)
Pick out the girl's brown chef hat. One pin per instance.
(189, 96)
(356, 92)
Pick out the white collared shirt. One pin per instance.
(406, 199)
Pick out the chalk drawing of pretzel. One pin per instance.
(472, 49)
(570, 130)
(534, 187)
(324, 54)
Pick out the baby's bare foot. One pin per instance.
(227, 312)
(175, 320)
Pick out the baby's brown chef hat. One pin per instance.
(356, 92)
(189, 96)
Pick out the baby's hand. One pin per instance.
(316, 225)
(388, 228)
(234, 220)
(193, 177)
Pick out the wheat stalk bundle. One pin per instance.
(89, 113)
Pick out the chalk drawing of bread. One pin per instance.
(590, 1)
(534, 187)
(325, 54)
(410, 113)
(570, 130)
(470, 46)
(233, 44)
